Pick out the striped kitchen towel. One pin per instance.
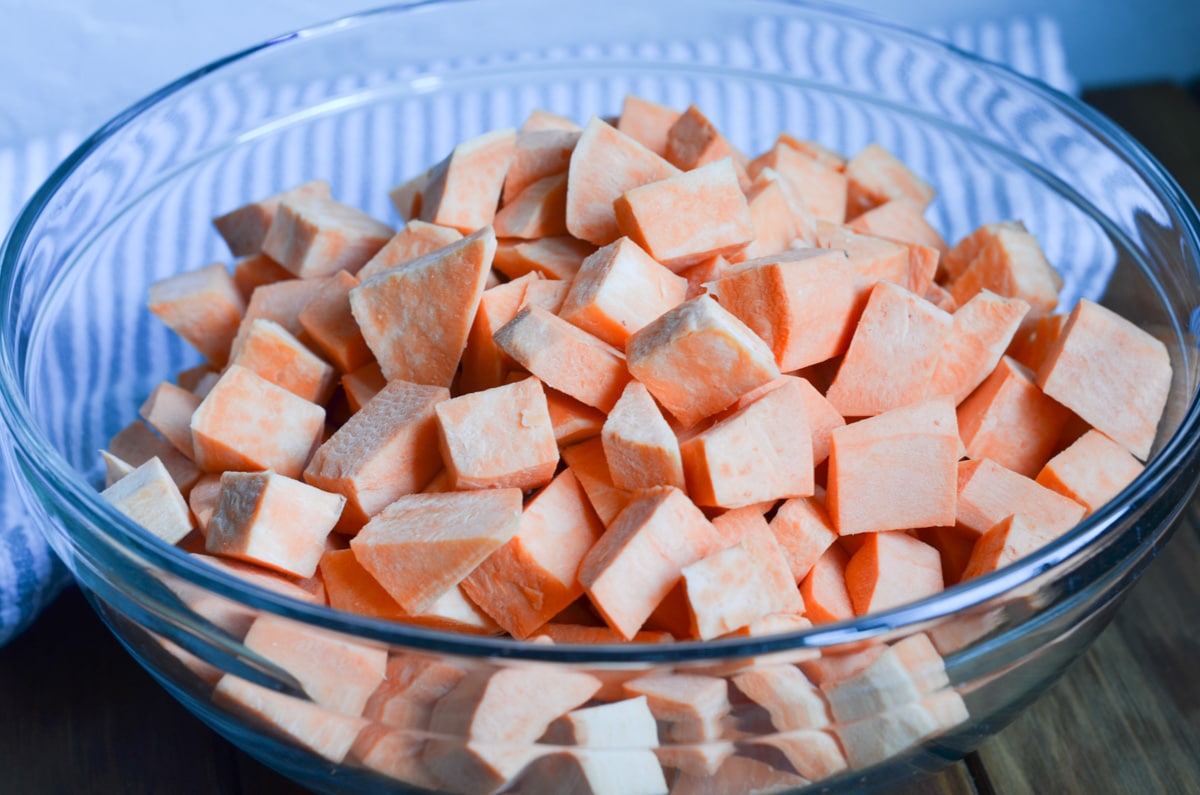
(30, 575)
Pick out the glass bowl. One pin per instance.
(369, 101)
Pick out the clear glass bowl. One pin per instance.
(369, 101)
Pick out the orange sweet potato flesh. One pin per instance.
(203, 306)
(416, 239)
(245, 228)
(1091, 471)
(640, 447)
(891, 569)
(648, 123)
(464, 189)
(988, 492)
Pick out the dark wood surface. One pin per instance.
(78, 715)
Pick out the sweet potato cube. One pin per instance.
(1091, 471)
(416, 319)
(498, 438)
(982, 329)
(822, 416)
(530, 579)
(271, 352)
(572, 421)
(883, 685)
(648, 123)
(272, 520)
(115, 468)
(281, 302)
(902, 220)
(627, 723)
(149, 496)
(640, 447)
(693, 141)
(893, 354)
(820, 188)
(816, 151)
(761, 452)
(384, 451)
(245, 228)
(422, 545)
(464, 189)
(203, 306)
(246, 423)
(203, 500)
(604, 165)
(414, 241)
(775, 224)
(250, 273)
(989, 493)
(538, 154)
(1032, 344)
(539, 119)
(650, 542)
(135, 444)
(590, 465)
(873, 259)
(688, 217)
(953, 544)
(1009, 540)
(619, 290)
(540, 210)
(963, 253)
(558, 257)
(877, 176)
(867, 742)
(699, 358)
(1011, 264)
(1012, 422)
(411, 687)
(340, 675)
(317, 236)
(1111, 373)
(814, 753)
(892, 569)
(802, 302)
(395, 753)
(565, 357)
(693, 706)
(790, 698)
(804, 531)
(895, 471)
(169, 411)
(363, 384)
(328, 322)
(326, 733)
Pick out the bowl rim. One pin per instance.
(42, 462)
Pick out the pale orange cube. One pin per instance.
(540, 210)
(1091, 471)
(169, 410)
(638, 560)
(737, 775)
(1012, 265)
(281, 302)
(464, 189)
(693, 141)
(411, 687)
(540, 119)
(594, 771)
(814, 753)
(395, 753)
(983, 327)
(895, 471)
(328, 322)
(549, 294)
(245, 228)
(893, 354)
(775, 224)
(699, 358)
(686, 218)
(1012, 422)
(317, 236)
(872, 258)
(203, 500)
(558, 257)
(604, 165)
(530, 579)
(498, 438)
(1111, 373)
(692, 706)
(804, 531)
(135, 444)
(589, 463)
(565, 357)
(250, 273)
(956, 259)
(272, 520)
(247, 423)
(815, 150)
(619, 290)
(640, 447)
(822, 416)
(416, 319)
(149, 496)
(385, 450)
(761, 452)
(572, 421)
(802, 302)
(820, 188)
(422, 545)
(790, 698)
(537, 154)
(877, 176)
(648, 123)
(891, 569)
(483, 364)
(406, 197)
(1009, 540)
(1033, 342)
(271, 352)
(363, 384)
(415, 240)
(989, 493)
(902, 220)
(203, 306)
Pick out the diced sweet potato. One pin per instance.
(587, 460)
(416, 319)
(540, 119)
(771, 215)
(572, 421)
(648, 123)
(1009, 540)
(957, 259)
(804, 531)
(169, 410)
(135, 444)
(203, 500)
(692, 706)
(281, 302)
(245, 228)
(149, 496)
(327, 320)
(394, 753)
(1111, 373)
(317, 236)
(250, 273)
(272, 520)
(902, 220)
(411, 687)
(890, 569)
(688, 217)
(203, 306)
(820, 188)
(537, 154)
(693, 141)
(464, 189)
(363, 384)
(988, 493)
(876, 176)
(1012, 265)
(532, 577)
(630, 771)
(619, 290)
(415, 240)
(540, 210)
(872, 258)
(895, 471)
(982, 329)
(1091, 471)
(271, 352)
(558, 257)
(483, 364)
(1031, 344)
(867, 742)
(422, 545)
(737, 775)
(792, 701)
(639, 445)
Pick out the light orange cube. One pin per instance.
(824, 588)
(891, 569)
(648, 123)
(692, 706)
(272, 520)
(271, 352)
(895, 471)
(464, 189)
(558, 257)
(902, 220)
(572, 421)
(1010, 264)
(328, 322)
(963, 253)
(529, 580)
(416, 319)
(589, 463)
(422, 545)
(169, 410)
(693, 141)
(619, 290)
(790, 698)
(877, 176)
(203, 306)
(775, 224)
(989, 493)
(250, 273)
(1111, 373)
(537, 154)
(699, 358)
(1091, 471)
(317, 236)
(135, 444)
(363, 384)
(640, 447)
(540, 210)
(384, 451)
(281, 302)
(415, 240)
(804, 531)
(498, 438)
(246, 423)
(819, 188)
(872, 258)
(982, 329)
(688, 217)
(1009, 540)
(149, 496)
(245, 228)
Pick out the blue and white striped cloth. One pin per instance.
(30, 575)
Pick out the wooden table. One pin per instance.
(78, 715)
